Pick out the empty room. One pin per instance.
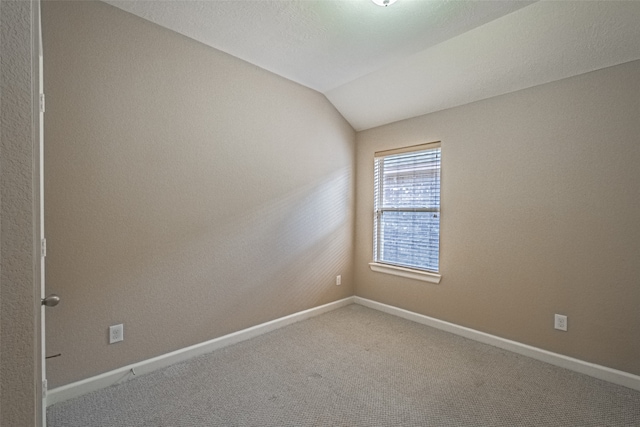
(320, 213)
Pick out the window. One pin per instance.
(407, 212)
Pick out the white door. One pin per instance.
(42, 238)
(51, 300)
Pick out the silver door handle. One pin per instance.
(51, 301)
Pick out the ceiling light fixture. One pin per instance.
(384, 3)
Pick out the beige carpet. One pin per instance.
(356, 367)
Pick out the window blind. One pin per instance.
(407, 208)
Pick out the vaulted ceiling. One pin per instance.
(379, 65)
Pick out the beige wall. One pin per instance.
(189, 194)
(540, 215)
(19, 206)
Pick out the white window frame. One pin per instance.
(387, 267)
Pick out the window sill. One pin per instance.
(410, 273)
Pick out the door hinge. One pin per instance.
(42, 102)
(43, 248)
(44, 388)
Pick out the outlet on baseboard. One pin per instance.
(560, 322)
(116, 333)
(338, 280)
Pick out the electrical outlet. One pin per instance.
(338, 280)
(116, 333)
(560, 322)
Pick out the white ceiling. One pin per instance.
(379, 65)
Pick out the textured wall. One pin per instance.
(540, 210)
(188, 194)
(19, 288)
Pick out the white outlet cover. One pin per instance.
(116, 333)
(560, 322)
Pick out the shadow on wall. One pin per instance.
(282, 255)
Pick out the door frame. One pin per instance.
(39, 250)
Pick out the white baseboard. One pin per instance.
(597, 371)
(124, 374)
(120, 375)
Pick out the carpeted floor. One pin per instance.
(356, 367)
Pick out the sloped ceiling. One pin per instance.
(379, 65)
